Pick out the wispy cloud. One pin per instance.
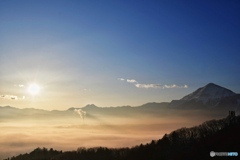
(128, 80)
(175, 86)
(121, 79)
(131, 81)
(151, 85)
(11, 97)
(148, 85)
(159, 86)
(87, 90)
(19, 85)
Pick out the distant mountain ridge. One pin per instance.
(209, 97)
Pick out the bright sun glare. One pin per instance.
(33, 89)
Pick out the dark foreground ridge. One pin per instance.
(185, 143)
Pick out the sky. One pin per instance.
(115, 53)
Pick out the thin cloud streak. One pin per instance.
(131, 81)
(159, 86)
(150, 85)
(121, 79)
(175, 86)
(19, 85)
(10, 97)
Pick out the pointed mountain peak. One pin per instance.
(212, 85)
(217, 88)
(90, 106)
(71, 109)
(209, 92)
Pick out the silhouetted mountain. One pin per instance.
(206, 98)
(90, 107)
(211, 96)
(14, 113)
(210, 92)
(185, 143)
(154, 105)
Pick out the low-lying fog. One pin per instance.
(23, 135)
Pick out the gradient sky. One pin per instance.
(79, 52)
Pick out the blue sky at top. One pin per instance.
(73, 46)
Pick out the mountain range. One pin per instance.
(92, 125)
(211, 98)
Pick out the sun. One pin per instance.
(33, 89)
